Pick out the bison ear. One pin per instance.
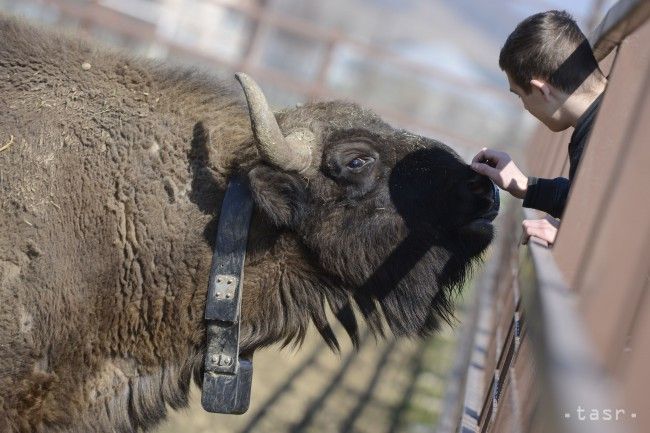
(279, 195)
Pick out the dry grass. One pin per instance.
(9, 143)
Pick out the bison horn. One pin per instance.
(291, 153)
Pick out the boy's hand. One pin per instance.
(499, 167)
(545, 230)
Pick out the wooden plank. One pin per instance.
(614, 273)
(632, 367)
(487, 410)
(590, 194)
(526, 388)
(506, 418)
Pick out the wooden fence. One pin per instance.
(559, 340)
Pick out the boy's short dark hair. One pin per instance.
(549, 46)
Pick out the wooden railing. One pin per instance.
(560, 338)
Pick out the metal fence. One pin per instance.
(561, 341)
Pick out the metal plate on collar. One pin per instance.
(222, 347)
(223, 303)
(228, 393)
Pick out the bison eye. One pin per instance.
(358, 162)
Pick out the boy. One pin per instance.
(550, 65)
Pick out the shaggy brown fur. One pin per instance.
(110, 194)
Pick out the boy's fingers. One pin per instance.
(484, 169)
(525, 238)
(535, 223)
(535, 231)
(492, 155)
(479, 157)
(541, 232)
(527, 233)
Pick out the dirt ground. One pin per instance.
(391, 386)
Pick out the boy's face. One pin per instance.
(543, 106)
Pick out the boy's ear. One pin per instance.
(541, 86)
(278, 195)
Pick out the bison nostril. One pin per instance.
(480, 185)
(475, 187)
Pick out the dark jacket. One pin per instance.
(550, 195)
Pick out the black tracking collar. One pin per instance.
(227, 378)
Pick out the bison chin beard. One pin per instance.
(400, 277)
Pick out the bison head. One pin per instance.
(385, 222)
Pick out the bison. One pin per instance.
(111, 177)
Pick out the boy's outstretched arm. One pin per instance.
(547, 195)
